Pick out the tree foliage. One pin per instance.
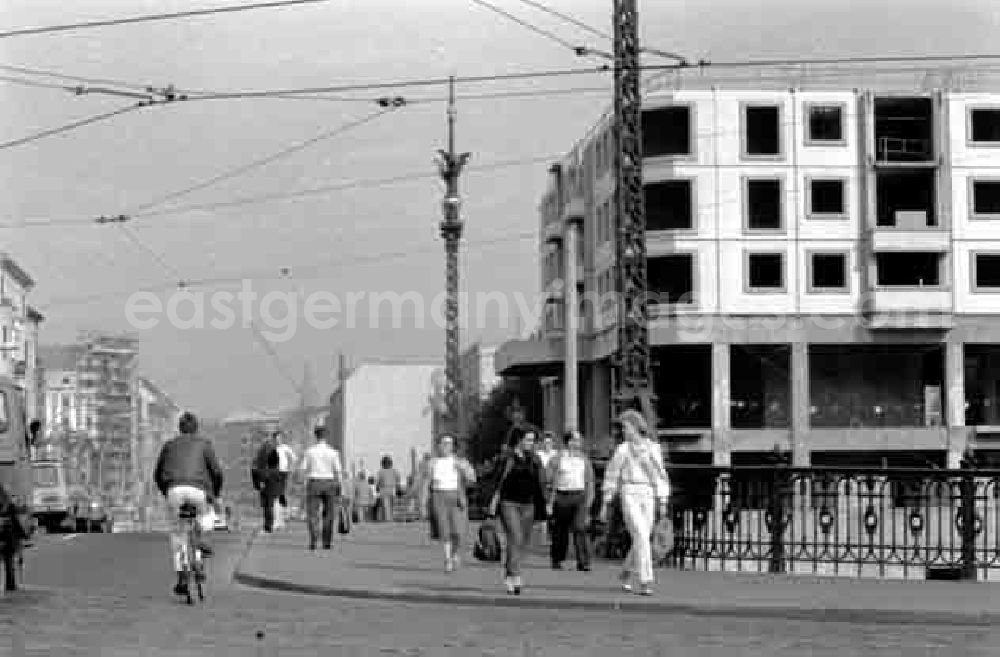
(495, 419)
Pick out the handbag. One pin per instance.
(662, 540)
(344, 522)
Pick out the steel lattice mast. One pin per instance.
(450, 165)
(632, 375)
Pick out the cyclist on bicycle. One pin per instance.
(188, 472)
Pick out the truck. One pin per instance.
(16, 482)
(52, 505)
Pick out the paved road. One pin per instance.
(109, 595)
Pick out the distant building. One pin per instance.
(91, 409)
(383, 408)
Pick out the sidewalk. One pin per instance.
(399, 562)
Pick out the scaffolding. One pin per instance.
(106, 376)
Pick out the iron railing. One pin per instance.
(867, 522)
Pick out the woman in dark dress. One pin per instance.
(519, 499)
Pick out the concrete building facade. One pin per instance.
(824, 269)
(383, 408)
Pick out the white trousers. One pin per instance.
(177, 496)
(639, 510)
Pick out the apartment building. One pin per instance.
(824, 270)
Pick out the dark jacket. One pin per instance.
(189, 461)
(537, 492)
(264, 471)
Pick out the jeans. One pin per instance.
(178, 496)
(638, 507)
(385, 507)
(321, 493)
(518, 520)
(570, 517)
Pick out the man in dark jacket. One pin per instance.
(188, 472)
(266, 478)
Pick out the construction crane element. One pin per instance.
(632, 375)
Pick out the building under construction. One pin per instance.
(91, 410)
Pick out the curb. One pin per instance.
(626, 604)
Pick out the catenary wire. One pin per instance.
(237, 171)
(568, 19)
(153, 17)
(525, 24)
(269, 275)
(70, 126)
(280, 196)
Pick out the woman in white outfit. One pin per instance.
(446, 479)
(636, 474)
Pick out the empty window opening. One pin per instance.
(988, 270)
(669, 205)
(829, 270)
(683, 401)
(986, 125)
(826, 197)
(906, 199)
(666, 131)
(671, 278)
(908, 269)
(760, 386)
(826, 123)
(764, 204)
(763, 130)
(766, 271)
(904, 129)
(986, 197)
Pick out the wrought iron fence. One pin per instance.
(891, 522)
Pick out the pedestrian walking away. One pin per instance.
(519, 498)
(387, 485)
(444, 495)
(637, 478)
(323, 474)
(188, 472)
(265, 478)
(571, 495)
(286, 462)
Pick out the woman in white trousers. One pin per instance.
(637, 476)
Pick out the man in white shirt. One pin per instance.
(323, 473)
(286, 459)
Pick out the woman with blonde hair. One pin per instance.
(444, 482)
(637, 477)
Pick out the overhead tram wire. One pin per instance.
(568, 19)
(281, 196)
(154, 17)
(525, 24)
(237, 171)
(555, 73)
(334, 264)
(72, 126)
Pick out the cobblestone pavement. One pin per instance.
(113, 599)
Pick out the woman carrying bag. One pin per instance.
(519, 498)
(637, 478)
(445, 480)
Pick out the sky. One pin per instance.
(363, 239)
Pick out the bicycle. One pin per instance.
(192, 563)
